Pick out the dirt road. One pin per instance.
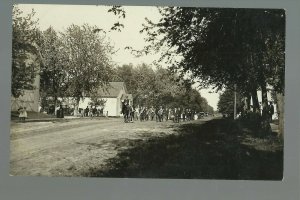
(70, 148)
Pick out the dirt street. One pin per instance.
(70, 148)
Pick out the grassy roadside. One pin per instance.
(218, 149)
(31, 115)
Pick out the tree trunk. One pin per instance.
(76, 107)
(256, 107)
(265, 121)
(44, 103)
(280, 113)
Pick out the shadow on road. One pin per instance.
(218, 149)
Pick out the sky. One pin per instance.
(62, 16)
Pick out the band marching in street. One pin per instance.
(160, 113)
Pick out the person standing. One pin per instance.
(170, 115)
(61, 112)
(167, 114)
(20, 111)
(86, 111)
(175, 115)
(90, 114)
(179, 110)
(152, 113)
(184, 114)
(22, 114)
(160, 114)
(94, 111)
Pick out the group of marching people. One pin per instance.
(163, 114)
(160, 114)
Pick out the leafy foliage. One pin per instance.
(159, 87)
(25, 57)
(88, 62)
(223, 47)
(53, 74)
(226, 103)
(120, 12)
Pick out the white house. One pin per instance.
(113, 95)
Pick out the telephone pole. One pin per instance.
(234, 109)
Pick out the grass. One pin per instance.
(219, 149)
(31, 115)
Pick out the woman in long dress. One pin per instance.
(23, 114)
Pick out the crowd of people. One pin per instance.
(160, 114)
(133, 113)
(91, 111)
(157, 113)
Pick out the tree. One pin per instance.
(159, 87)
(88, 60)
(223, 47)
(226, 103)
(95, 101)
(126, 73)
(25, 56)
(53, 73)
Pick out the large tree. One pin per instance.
(88, 60)
(224, 47)
(25, 55)
(53, 72)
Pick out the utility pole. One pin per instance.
(234, 109)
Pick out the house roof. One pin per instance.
(112, 90)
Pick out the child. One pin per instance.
(91, 114)
(20, 110)
(23, 114)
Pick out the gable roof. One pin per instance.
(112, 90)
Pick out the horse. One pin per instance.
(127, 112)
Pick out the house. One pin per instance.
(30, 98)
(113, 96)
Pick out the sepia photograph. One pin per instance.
(154, 92)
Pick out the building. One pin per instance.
(30, 98)
(113, 96)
